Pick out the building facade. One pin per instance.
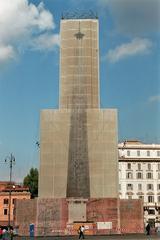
(139, 176)
(8, 195)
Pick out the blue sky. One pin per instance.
(29, 70)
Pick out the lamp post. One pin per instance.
(10, 159)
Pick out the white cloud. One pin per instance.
(136, 47)
(22, 23)
(155, 98)
(6, 53)
(45, 42)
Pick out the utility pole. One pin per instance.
(11, 160)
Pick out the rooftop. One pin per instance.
(136, 144)
(6, 186)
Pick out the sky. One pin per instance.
(129, 32)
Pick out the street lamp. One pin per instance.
(11, 160)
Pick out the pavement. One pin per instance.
(107, 237)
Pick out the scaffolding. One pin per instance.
(80, 15)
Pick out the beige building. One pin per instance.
(139, 176)
(79, 157)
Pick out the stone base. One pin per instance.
(64, 216)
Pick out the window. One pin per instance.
(129, 186)
(158, 199)
(139, 166)
(5, 201)
(149, 166)
(119, 186)
(149, 186)
(151, 211)
(139, 187)
(149, 175)
(139, 175)
(148, 153)
(5, 211)
(128, 153)
(158, 153)
(141, 197)
(129, 197)
(158, 186)
(129, 175)
(13, 201)
(150, 199)
(158, 166)
(138, 153)
(158, 175)
(129, 166)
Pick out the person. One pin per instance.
(158, 230)
(4, 234)
(81, 231)
(148, 229)
(0, 233)
(11, 234)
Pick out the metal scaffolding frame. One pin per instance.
(80, 15)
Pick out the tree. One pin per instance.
(31, 181)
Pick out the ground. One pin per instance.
(109, 237)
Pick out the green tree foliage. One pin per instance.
(31, 181)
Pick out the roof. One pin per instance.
(16, 189)
(133, 142)
(6, 186)
(137, 144)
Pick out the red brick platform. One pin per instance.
(103, 216)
